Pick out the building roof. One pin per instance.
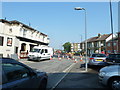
(114, 39)
(103, 37)
(92, 39)
(3, 20)
(98, 38)
(17, 22)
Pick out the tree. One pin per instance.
(67, 47)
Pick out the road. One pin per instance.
(67, 74)
(77, 78)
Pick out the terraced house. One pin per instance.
(18, 38)
(110, 47)
(97, 44)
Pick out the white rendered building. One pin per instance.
(18, 38)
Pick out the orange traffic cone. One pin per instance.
(75, 61)
(81, 59)
(59, 58)
(50, 58)
(73, 58)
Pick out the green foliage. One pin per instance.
(67, 47)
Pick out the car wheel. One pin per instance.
(43, 85)
(114, 83)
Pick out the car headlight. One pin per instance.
(102, 73)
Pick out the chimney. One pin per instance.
(99, 35)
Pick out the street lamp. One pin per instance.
(78, 8)
(111, 19)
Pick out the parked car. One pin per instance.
(110, 76)
(16, 75)
(97, 59)
(113, 58)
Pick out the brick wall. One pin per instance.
(109, 47)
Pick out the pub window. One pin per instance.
(24, 32)
(1, 40)
(16, 50)
(9, 41)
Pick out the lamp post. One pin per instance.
(111, 19)
(78, 8)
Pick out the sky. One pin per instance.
(60, 21)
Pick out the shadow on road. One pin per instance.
(95, 68)
(38, 61)
(76, 81)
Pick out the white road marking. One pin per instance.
(67, 71)
(69, 67)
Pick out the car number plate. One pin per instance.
(99, 60)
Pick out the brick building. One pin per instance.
(109, 47)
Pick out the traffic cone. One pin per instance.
(63, 57)
(50, 57)
(75, 61)
(68, 57)
(73, 58)
(59, 58)
(81, 59)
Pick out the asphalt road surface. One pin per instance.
(77, 78)
(67, 74)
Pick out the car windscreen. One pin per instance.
(35, 50)
(98, 55)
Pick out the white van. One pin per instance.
(39, 53)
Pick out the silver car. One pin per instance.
(97, 59)
(110, 76)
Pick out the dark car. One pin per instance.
(113, 58)
(16, 75)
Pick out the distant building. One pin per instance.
(75, 47)
(18, 38)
